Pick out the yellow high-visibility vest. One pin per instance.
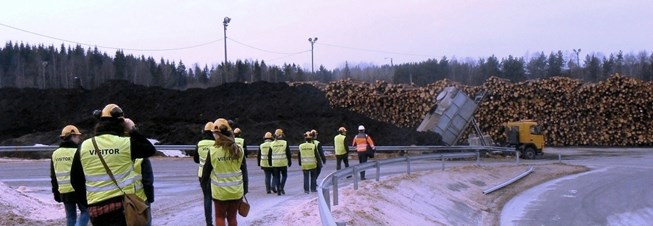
(339, 144)
(309, 160)
(226, 176)
(116, 151)
(62, 160)
(279, 158)
(240, 141)
(138, 179)
(265, 150)
(203, 148)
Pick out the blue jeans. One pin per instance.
(149, 213)
(208, 205)
(71, 214)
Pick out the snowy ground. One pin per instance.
(450, 197)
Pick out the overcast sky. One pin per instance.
(366, 31)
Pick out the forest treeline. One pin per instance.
(46, 67)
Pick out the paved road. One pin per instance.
(617, 191)
(178, 199)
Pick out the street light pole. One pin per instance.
(225, 22)
(312, 41)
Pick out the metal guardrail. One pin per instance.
(324, 200)
(512, 180)
(292, 148)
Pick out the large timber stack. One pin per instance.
(614, 112)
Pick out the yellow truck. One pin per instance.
(454, 113)
(526, 136)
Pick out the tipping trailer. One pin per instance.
(454, 112)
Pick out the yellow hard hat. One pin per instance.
(69, 130)
(278, 133)
(342, 129)
(111, 111)
(308, 134)
(267, 135)
(208, 126)
(221, 124)
(237, 131)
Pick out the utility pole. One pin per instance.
(225, 22)
(577, 51)
(45, 64)
(312, 41)
(391, 64)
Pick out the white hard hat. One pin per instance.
(361, 127)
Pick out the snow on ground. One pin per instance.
(20, 207)
(450, 197)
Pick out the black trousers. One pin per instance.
(362, 158)
(342, 158)
(280, 174)
(310, 179)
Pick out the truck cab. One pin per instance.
(526, 136)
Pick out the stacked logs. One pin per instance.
(614, 112)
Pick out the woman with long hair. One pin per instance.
(226, 171)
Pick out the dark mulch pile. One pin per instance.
(33, 116)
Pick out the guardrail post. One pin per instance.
(478, 158)
(442, 158)
(408, 160)
(559, 158)
(325, 192)
(517, 156)
(378, 170)
(334, 182)
(355, 178)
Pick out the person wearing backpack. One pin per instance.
(364, 146)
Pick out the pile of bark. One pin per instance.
(614, 112)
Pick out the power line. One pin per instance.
(370, 50)
(267, 51)
(111, 47)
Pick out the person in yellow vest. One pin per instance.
(60, 167)
(265, 162)
(144, 183)
(225, 173)
(281, 159)
(201, 151)
(309, 159)
(341, 149)
(320, 150)
(88, 174)
(240, 141)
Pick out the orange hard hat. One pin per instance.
(208, 126)
(69, 130)
(221, 124)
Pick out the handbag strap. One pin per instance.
(99, 154)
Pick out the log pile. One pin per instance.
(614, 112)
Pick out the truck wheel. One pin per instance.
(529, 153)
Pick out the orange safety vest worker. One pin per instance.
(361, 141)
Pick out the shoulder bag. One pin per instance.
(243, 208)
(135, 209)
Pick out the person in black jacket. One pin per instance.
(60, 167)
(112, 123)
(200, 156)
